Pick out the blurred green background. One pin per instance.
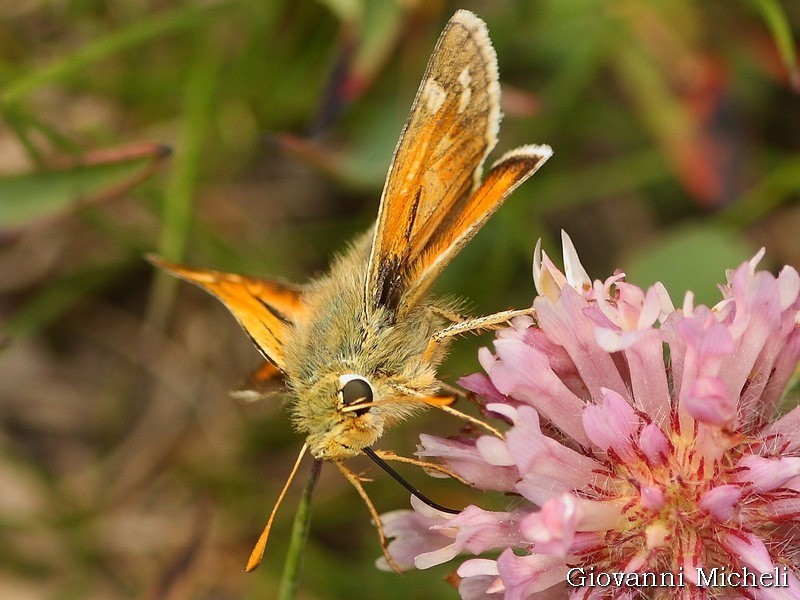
(126, 471)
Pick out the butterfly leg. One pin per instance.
(470, 419)
(480, 323)
(455, 393)
(443, 403)
(355, 481)
(475, 324)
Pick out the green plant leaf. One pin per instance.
(781, 30)
(29, 197)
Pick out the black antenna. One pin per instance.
(399, 479)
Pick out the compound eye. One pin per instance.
(355, 390)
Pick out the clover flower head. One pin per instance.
(643, 438)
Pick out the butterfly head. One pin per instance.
(340, 416)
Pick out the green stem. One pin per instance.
(297, 543)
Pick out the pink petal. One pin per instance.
(612, 425)
(767, 474)
(552, 529)
(707, 342)
(480, 580)
(524, 373)
(436, 516)
(481, 385)
(793, 590)
(524, 576)
(564, 322)
(539, 455)
(465, 460)
(648, 375)
(636, 563)
(749, 549)
(788, 287)
(652, 498)
(477, 566)
(477, 530)
(654, 444)
(782, 509)
(412, 536)
(707, 401)
(539, 489)
(600, 515)
(592, 516)
(504, 410)
(782, 369)
(757, 319)
(604, 291)
(547, 278)
(495, 451)
(720, 502)
(611, 340)
(577, 276)
(486, 359)
(657, 304)
(426, 560)
(631, 309)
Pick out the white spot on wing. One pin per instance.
(433, 95)
(465, 79)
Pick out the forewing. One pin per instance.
(503, 178)
(264, 308)
(438, 161)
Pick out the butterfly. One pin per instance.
(358, 347)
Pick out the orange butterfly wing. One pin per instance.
(451, 129)
(504, 177)
(264, 308)
(432, 203)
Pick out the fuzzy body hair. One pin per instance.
(340, 337)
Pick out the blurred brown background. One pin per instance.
(126, 471)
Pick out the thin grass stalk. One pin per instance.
(299, 538)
